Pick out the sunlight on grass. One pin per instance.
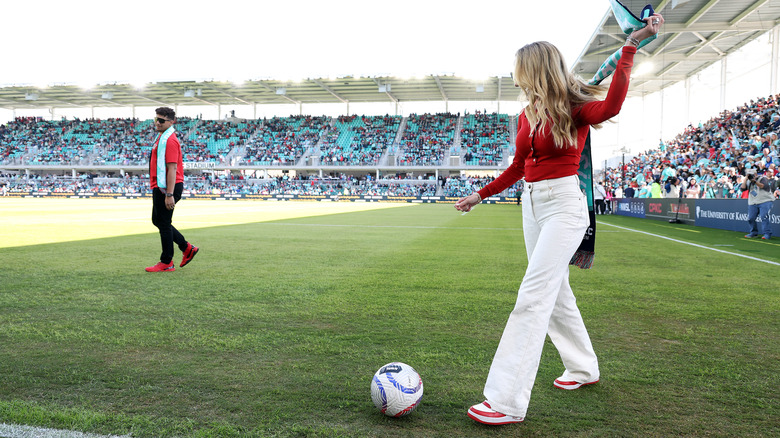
(33, 221)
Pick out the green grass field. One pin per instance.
(278, 325)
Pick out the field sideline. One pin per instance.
(276, 328)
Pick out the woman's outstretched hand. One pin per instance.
(465, 204)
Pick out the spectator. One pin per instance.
(759, 203)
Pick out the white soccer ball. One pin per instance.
(396, 389)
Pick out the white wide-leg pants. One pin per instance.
(555, 218)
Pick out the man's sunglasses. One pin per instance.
(160, 120)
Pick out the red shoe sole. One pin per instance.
(492, 418)
(570, 386)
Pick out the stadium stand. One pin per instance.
(714, 154)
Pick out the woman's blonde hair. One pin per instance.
(551, 90)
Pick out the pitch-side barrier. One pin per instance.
(723, 214)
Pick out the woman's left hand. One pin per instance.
(466, 203)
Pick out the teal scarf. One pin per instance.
(628, 23)
(586, 251)
(162, 142)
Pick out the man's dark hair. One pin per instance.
(166, 112)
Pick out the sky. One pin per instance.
(87, 42)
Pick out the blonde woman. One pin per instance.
(551, 135)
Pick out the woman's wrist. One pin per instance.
(479, 198)
(631, 40)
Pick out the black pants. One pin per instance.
(601, 206)
(162, 217)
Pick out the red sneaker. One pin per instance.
(189, 254)
(484, 414)
(571, 385)
(161, 267)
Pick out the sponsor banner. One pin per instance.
(199, 165)
(266, 197)
(663, 209)
(62, 194)
(633, 207)
(732, 215)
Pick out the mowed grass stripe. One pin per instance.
(31, 221)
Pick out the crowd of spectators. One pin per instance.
(484, 137)
(359, 141)
(426, 138)
(217, 138)
(280, 141)
(283, 140)
(32, 140)
(706, 161)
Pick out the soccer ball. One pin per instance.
(396, 389)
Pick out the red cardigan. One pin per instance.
(548, 161)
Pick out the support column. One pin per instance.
(774, 60)
(688, 99)
(661, 122)
(723, 77)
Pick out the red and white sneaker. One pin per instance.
(189, 254)
(161, 267)
(570, 385)
(484, 414)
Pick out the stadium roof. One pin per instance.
(321, 90)
(697, 33)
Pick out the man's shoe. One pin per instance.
(484, 414)
(570, 385)
(750, 236)
(189, 254)
(766, 237)
(161, 267)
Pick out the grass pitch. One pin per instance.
(277, 326)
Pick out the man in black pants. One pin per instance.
(166, 177)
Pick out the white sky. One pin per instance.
(84, 41)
